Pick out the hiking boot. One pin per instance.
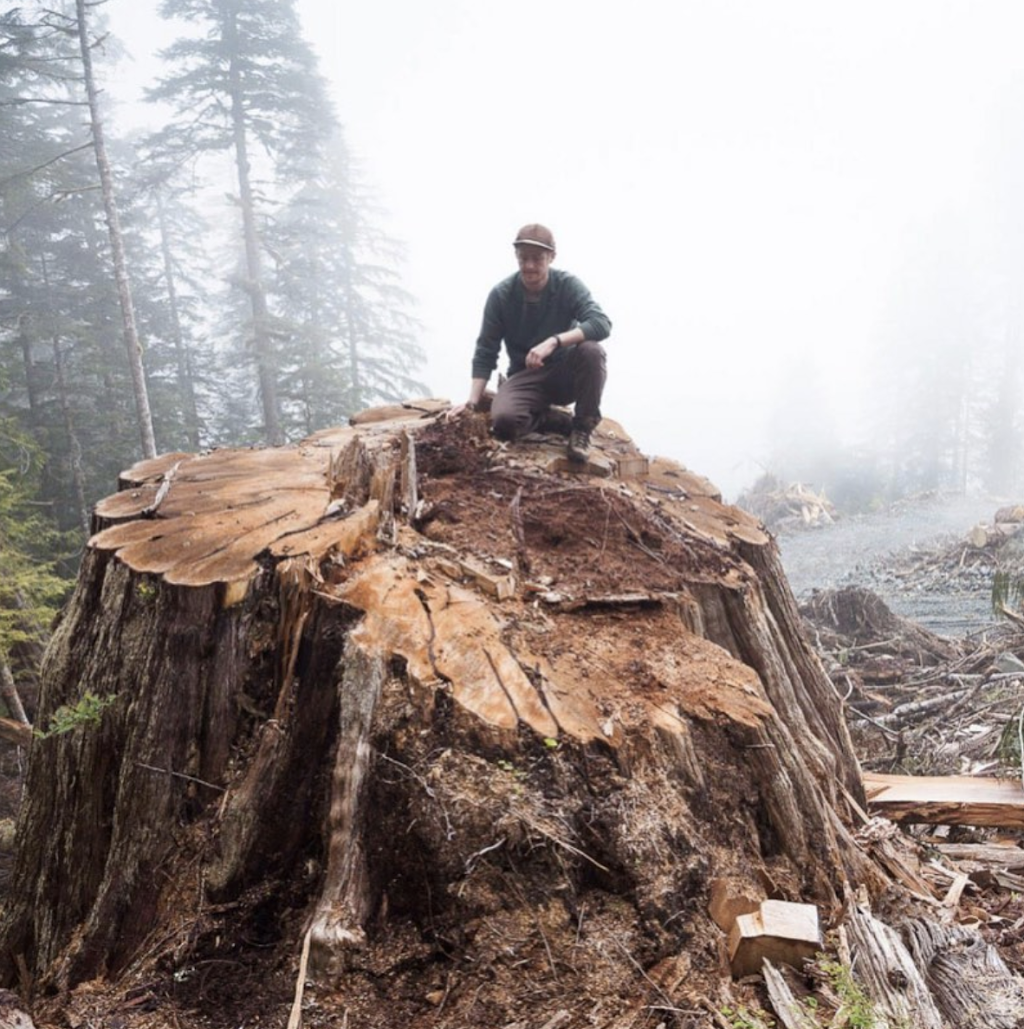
(555, 421)
(579, 444)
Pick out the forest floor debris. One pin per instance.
(928, 705)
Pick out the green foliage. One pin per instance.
(31, 588)
(856, 1009)
(743, 1018)
(86, 713)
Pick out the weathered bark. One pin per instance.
(12, 1012)
(124, 291)
(312, 701)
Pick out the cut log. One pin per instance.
(946, 799)
(997, 855)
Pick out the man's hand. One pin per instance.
(456, 412)
(536, 357)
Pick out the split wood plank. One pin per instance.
(946, 799)
(999, 855)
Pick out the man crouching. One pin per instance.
(551, 327)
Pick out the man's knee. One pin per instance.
(591, 354)
(506, 418)
(504, 425)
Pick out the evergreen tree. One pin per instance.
(249, 82)
(350, 341)
(113, 220)
(61, 353)
(31, 549)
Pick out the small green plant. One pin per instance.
(855, 1007)
(145, 590)
(86, 712)
(550, 742)
(743, 1018)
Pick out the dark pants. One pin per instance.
(523, 399)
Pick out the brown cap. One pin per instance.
(535, 236)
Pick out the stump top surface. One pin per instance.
(480, 563)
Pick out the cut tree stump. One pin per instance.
(314, 732)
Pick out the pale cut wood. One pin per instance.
(729, 899)
(595, 465)
(778, 929)
(413, 409)
(344, 536)
(295, 1017)
(946, 800)
(501, 587)
(631, 466)
(998, 855)
(410, 485)
(338, 926)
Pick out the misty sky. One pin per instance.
(743, 185)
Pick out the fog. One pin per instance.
(753, 191)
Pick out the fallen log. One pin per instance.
(946, 799)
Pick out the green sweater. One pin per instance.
(564, 304)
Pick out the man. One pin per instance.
(551, 328)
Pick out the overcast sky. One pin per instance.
(739, 182)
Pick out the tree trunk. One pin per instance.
(124, 293)
(316, 721)
(186, 381)
(265, 363)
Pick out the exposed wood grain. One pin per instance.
(946, 800)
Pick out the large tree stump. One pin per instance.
(319, 723)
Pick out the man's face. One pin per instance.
(533, 266)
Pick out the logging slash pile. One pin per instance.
(787, 508)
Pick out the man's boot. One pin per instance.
(579, 443)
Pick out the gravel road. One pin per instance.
(884, 552)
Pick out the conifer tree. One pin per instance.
(248, 87)
(351, 339)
